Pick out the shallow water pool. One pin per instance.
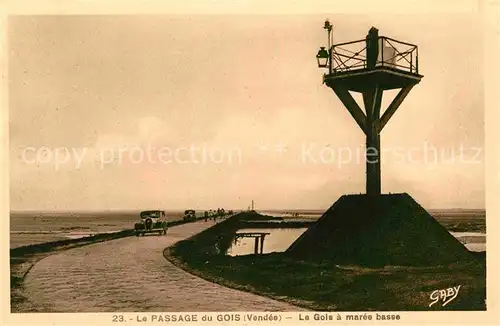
(280, 239)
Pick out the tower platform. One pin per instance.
(361, 80)
(376, 61)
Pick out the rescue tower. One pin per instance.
(374, 228)
(370, 66)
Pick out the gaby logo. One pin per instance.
(445, 295)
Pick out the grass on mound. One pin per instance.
(324, 285)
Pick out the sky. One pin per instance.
(229, 109)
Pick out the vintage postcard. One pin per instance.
(248, 163)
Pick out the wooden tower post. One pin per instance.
(383, 64)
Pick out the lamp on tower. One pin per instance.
(323, 57)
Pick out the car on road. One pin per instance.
(151, 222)
(190, 215)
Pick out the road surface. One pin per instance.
(131, 275)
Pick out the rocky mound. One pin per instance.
(376, 231)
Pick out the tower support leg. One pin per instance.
(371, 124)
(372, 99)
(373, 176)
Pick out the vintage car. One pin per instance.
(151, 222)
(190, 215)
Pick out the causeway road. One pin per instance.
(131, 275)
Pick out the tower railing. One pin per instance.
(350, 56)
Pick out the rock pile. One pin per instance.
(377, 231)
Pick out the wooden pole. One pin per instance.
(372, 99)
(256, 249)
(262, 243)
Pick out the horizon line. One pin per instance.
(203, 209)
